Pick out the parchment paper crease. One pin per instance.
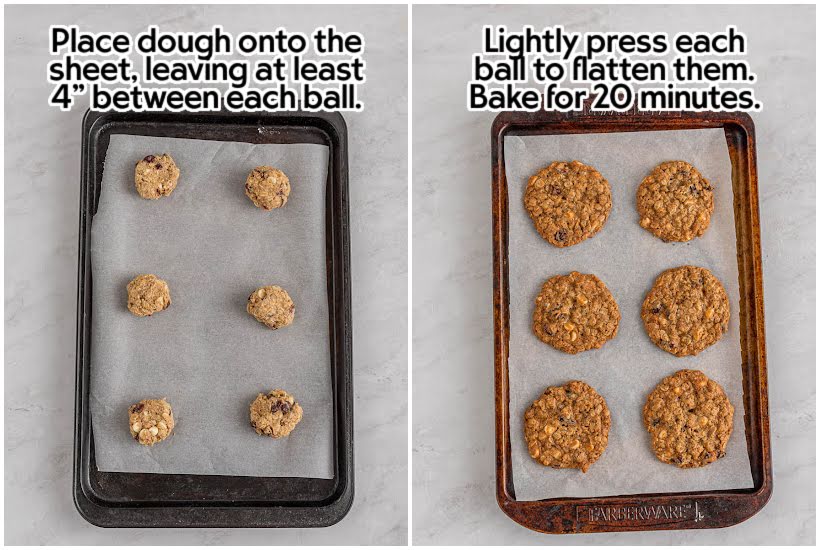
(204, 353)
(627, 258)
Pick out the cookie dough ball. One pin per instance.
(575, 312)
(686, 311)
(689, 418)
(568, 202)
(275, 414)
(567, 427)
(267, 187)
(156, 176)
(147, 294)
(675, 202)
(271, 306)
(150, 421)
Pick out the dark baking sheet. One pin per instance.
(111, 499)
(641, 512)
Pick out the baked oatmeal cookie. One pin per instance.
(689, 418)
(568, 202)
(275, 414)
(147, 294)
(686, 311)
(568, 426)
(271, 306)
(156, 176)
(150, 421)
(267, 187)
(675, 202)
(575, 312)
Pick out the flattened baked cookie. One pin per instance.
(675, 202)
(686, 311)
(568, 426)
(147, 294)
(150, 421)
(275, 414)
(156, 176)
(272, 306)
(267, 187)
(690, 419)
(575, 312)
(568, 202)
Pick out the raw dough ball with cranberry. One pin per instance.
(267, 187)
(150, 421)
(275, 414)
(156, 176)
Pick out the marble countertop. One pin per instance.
(453, 407)
(42, 167)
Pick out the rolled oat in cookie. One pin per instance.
(150, 421)
(267, 187)
(675, 202)
(686, 311)
(689, 418)
(271, 306)
(568, 202)
(156, 176)
(568, 426)
(575, 312)
(275, 414)
(147, 294)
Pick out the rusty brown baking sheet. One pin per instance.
(560, 514)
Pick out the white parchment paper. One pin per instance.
(204, 353)
(627, 258)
